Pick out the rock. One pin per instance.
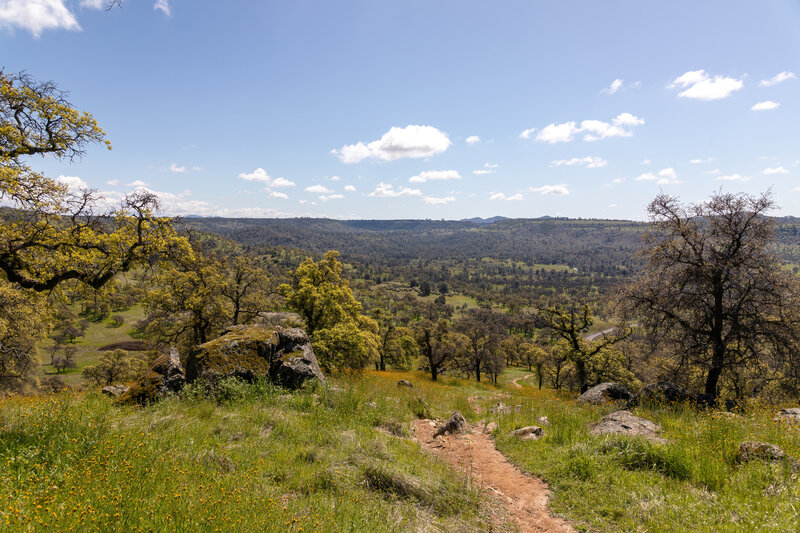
(764, 451)
(528, 433)
(490, 427)
(455, 424)
(404, 383)
(661, 393)
(164, 376)
(624, 423)
(284, 355)
(115, 391)
(501, 409)
(605, 393)
(788, 415)
(543, 421)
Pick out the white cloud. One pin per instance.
(411, 142)
(700, 86)
(777, 78)
(387, 190)
(326, 197)
(258, 174)
(588, 162)
(433, 200)
(501, 196)
(766, 105)
(665, 176)
(73, 183)
(163, 6)
(261, 175)
(620, 126)
(713, 172)
(349, 188)
(473, 139)
(276, 194)
(37, 15)
(318, 189)
(645, 162)
(94, 4)
(335, 178)
(775, 170)
(733, 177)
(618, 180)
(487, 169)
(430, 175)
(281, 182)
(615, 86)
(551, 189)
(701, 161)
(137, 183)
(112, 183)
(175, 168)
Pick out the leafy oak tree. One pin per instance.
(712, 290)
(51, 235)
(342, 337)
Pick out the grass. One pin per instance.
(97, 335)
(338, 459)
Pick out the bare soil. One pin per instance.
(523, 496)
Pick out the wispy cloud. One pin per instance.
(766, 105)
(620, 126)
(588, 162)
(501, 196)
(260, 175)
(433, 200)
(318, 189)
(665, 176)
(774, 170)
(777, 78)
(733, 177)
(175, 168)
(387, 190)
(473, 139)
(561, 189)
(431, 175)
(700, 161)
(615, 86)
(163, 6)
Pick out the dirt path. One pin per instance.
(515, 381)
(522, 495)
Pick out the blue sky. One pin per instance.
(423, 109)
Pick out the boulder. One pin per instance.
(764, 451)
(284, 355)
(490, 427)
(455, 424)
(788, 415)
(661, 393)
(625, 423)
(529, 433)
(115, 391)
(605, 393)
(503, 409)
(164, 376)
(543, 421)
(405, 383)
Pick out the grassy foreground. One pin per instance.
(259, 459)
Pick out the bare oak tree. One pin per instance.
(712, 291)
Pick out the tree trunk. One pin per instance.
(715, 371)
(478, 371)
(434, 372)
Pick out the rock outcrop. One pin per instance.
(284, 355)
(788, 415)
(764, 451)
(605, 393)
(115, 391)
(455, 424)
(164, 376)
(661, 393)
(405, 383)
(625, 423)
(529, 433)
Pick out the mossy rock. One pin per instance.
(164, 376)
(244, 352)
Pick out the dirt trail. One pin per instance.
(522, 495)
(515, 381)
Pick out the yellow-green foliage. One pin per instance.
(23, 320)
(342, 337)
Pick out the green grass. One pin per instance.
(250, 459)
(254, 458)
(97, 335)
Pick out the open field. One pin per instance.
(255, 458)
